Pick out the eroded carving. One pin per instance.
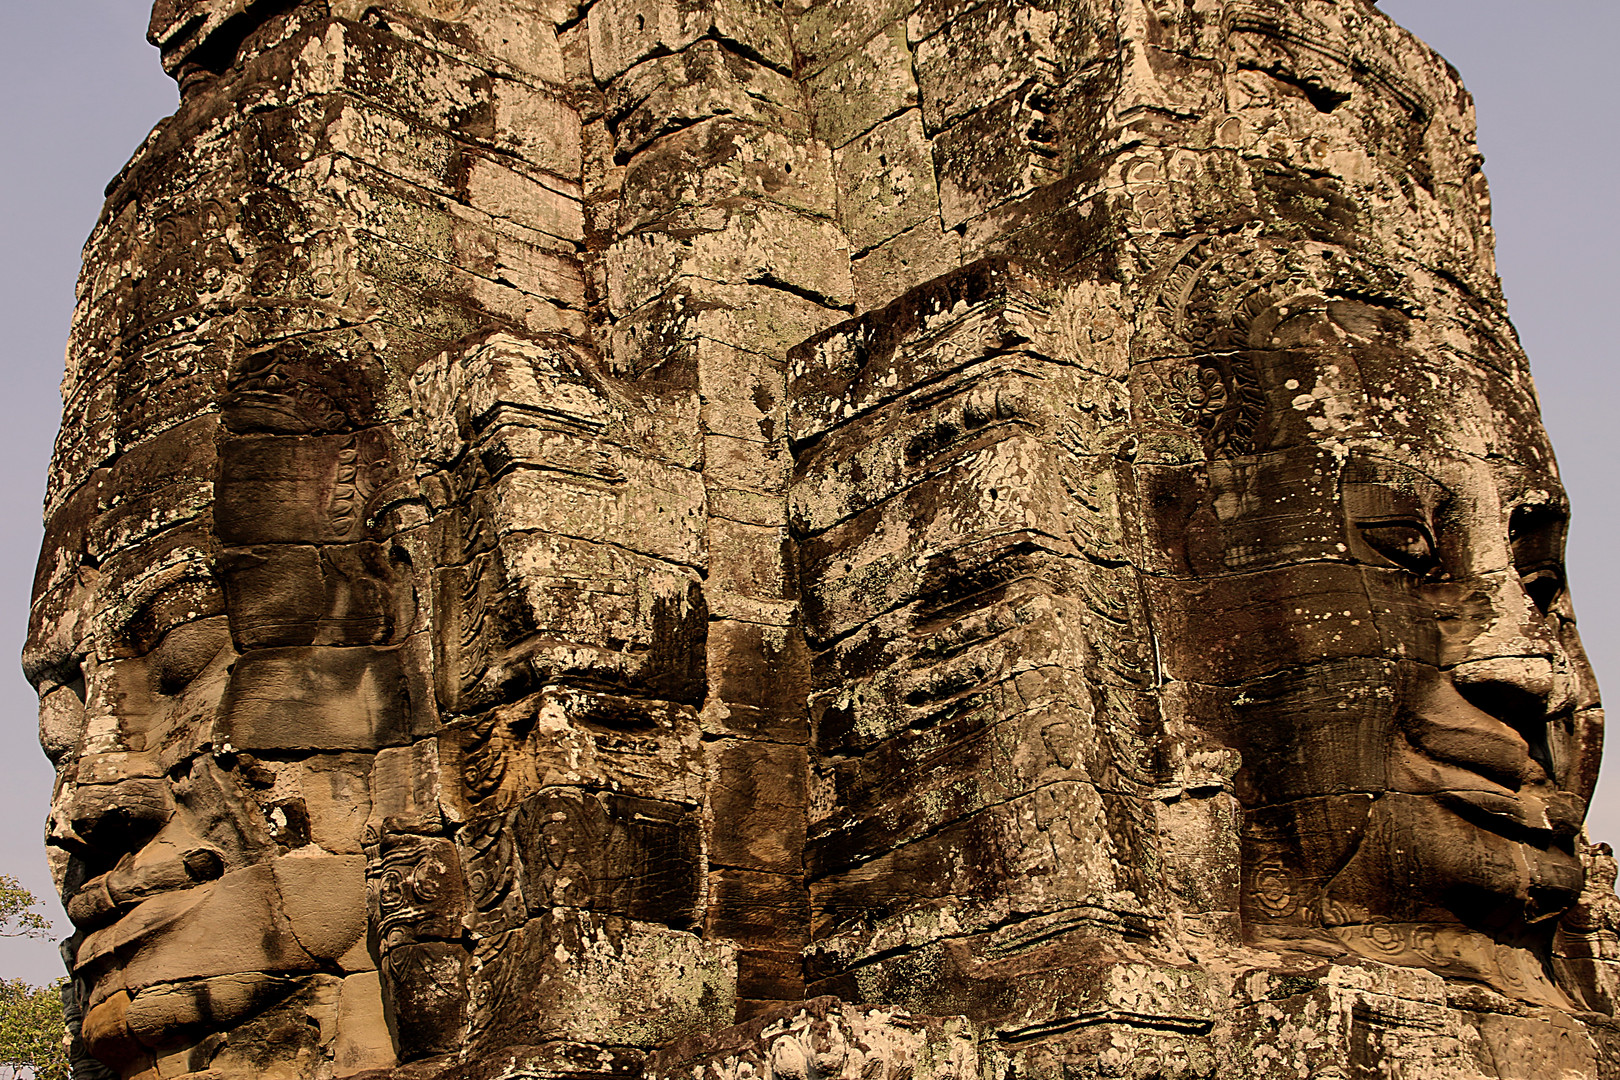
(840, 539)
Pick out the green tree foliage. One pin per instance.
(32, 1033)
(17, 915)
(33, 1043)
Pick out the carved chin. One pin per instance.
(122, 1029)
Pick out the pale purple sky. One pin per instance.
(81, 89)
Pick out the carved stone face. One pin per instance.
(206, 885)
(568, 658)
(1371, 585)
(575, 529)
(210, 642)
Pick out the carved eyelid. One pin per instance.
(184, 653)
(1547, 569)
(1536, 535)
(1398, 554)
(1368, 521)
(1527, 522)
(1414, 522)
(1377, 501)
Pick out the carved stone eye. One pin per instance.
(185, 652)
(1405, 542)
(1544, 585)
(1537, 536)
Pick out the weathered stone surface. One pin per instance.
(861, 539)
(828, 1037)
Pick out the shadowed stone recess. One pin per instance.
(840, 540)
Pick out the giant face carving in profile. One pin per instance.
(582, 526)
(1419, 730)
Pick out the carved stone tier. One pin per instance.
(859, 539)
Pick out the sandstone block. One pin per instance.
(758, 806)
(323, 897)
(665, 94)
(424, 988)
(406, 789)
(609, 854)
(720, 161)
(887, 176)
(826, 31)
(760, 675)
(765, 246)
(363, 1039)
(625, 32)
(317, 699)
(852, 94)
(607, 980)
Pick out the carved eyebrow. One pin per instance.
(161, 603)
(1369, 472)
(1541, 506)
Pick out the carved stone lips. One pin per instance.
(1518, 818)
(146, 918)
(1485, 770)
(105, 899)
(1535, 818)
(1534, 813)
(1478, 742)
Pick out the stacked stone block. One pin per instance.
(626, 538)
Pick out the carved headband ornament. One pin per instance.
(1222, 300)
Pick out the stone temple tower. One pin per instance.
(837, 540)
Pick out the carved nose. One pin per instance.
(1531, 675)
(1519, 691)
(117, 817)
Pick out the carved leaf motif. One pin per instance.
(491, 861)
(485, 761)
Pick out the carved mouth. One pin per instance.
(147, 917)
(103, 901)
(1515, 818)
(1482, 752)
(1529, 813)
(93, 909)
